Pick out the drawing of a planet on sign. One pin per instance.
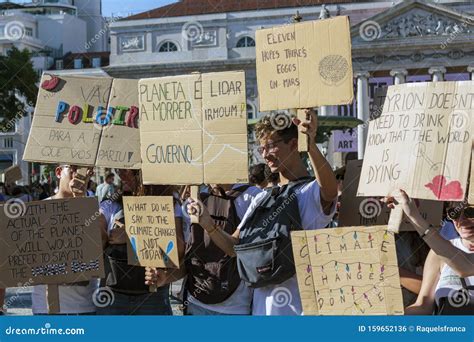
(333, 69)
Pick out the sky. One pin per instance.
(123, 7)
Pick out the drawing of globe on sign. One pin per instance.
(333, 69)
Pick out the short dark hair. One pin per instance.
(257, 174)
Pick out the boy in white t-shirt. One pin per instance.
(316, 200)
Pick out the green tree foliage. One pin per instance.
(17, 80)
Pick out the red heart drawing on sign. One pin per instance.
(443, 191)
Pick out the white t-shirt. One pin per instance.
(73, 299)
(284, 299)
(239, 302)
(449, 280)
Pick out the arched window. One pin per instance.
(168, 47)
(250, 112)
(246, 42)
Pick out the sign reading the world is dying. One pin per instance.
(370, 211)
(193, 129)
(304, 65)
(347, 271)
(422, 142)
(85, 121)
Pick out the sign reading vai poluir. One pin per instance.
(193, 129)
(86, 121)
(50, 242)
(422, 142)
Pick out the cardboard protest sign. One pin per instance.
(171, 129)
(422, 142)
(344, 141)
(151, 231)
(63, 130)
(50, 242)
(193, 129)
(224, 109)
(11, 174)
(354, 271)
(74, 122)
(303, 273)
(369, 211)
(303, 65)
(120, 140)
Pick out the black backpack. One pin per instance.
(212, 276)
(264, 252)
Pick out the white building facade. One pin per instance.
(392, 42)
(48, 29)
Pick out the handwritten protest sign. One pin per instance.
(369, 211)
(74, 122)
(304, 65)
(344, 141)
(170, 129)
(50, 242)
(120, 140)
(422, 142)
(151, 231)
(354, 271)
(194, 129)
(225, 137)
(11, 174)
(304, 273)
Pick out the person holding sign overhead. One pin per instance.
(262, 241)
(460, 261)
(76, 298)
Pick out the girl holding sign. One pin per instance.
(448, 281)
(123, 290)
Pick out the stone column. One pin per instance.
(399, 75)
(437, 73)
(362, 111)
(470, 69)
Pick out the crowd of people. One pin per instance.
(234, 242)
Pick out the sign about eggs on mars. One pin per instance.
(421, 143)
(304, 65)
